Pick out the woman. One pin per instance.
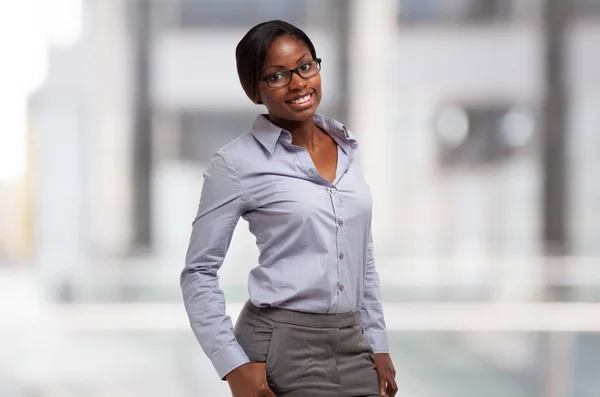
(314, 324)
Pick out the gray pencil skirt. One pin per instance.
(316, 355)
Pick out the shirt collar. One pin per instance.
(268, 133)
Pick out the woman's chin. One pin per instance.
(295, 116)
(302, 114)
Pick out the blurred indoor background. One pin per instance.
(479, 123)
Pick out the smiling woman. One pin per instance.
(314, 323)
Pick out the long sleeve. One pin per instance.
(373, 322)
(222, 202)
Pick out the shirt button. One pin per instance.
(341, 256)
(341, 287)
(333, 190)
(340, 222)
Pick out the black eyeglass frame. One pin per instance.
(290, 71)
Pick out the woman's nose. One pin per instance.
(297, 82)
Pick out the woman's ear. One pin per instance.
(257, 96)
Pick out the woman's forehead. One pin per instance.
(285, 50)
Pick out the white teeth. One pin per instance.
(303, 99)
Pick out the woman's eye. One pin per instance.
(274, 78)
(305, 67)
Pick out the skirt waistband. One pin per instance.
(315, 320)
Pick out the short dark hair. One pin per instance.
(251, 51)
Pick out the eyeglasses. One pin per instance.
(284, 77)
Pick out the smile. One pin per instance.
(303, 101)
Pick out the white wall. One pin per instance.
(196, 69)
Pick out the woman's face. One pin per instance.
(297, 101)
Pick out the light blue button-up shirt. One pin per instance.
(313, 236)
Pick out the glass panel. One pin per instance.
(94, 363)
(204, 133)
(452, 10)
(474, 11)
(240, 13)
(587, 7)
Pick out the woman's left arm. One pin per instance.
(373, 324)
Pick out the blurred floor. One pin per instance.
(79, 357)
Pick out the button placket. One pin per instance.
(337, 205)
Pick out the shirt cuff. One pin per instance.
(378, 341)
(229, 359)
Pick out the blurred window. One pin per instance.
(461, 11)
(224, 13)
(485, 134)
(448, 11)
(203, 133)
(587, 7)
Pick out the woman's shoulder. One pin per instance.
(240, 151)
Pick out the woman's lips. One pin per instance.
(303, 102)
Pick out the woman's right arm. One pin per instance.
(222, 202)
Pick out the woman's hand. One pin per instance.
(387, 375)
(249, 380)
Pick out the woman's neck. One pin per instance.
(304, 133)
